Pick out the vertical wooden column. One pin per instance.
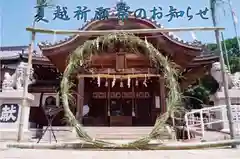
(108, 98)
(80, 99)
(162, 95)
(133, 99)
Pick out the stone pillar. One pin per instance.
(10, 110)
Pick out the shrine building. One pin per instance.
(122, 102)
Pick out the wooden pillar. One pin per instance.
(80, 99)
(133, 99)
(108, 99)
(162, 95)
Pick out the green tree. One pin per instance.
(232, 52)
(195, 96)
(199, 94)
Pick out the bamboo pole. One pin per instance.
(150, 146)
(133, 31)
(223, 70)
(25, 90)
(225, 84)
(226, 52)
(234, 23)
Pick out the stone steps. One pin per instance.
(107, 133)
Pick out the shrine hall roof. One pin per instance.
(113, 15)
(17, 52)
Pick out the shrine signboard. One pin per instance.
(9, 113)
(117, 95)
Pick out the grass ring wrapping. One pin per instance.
(133, 44)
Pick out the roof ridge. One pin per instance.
(13, 48)
(112, 14)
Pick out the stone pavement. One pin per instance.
(73, 154)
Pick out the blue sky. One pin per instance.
(16, 15)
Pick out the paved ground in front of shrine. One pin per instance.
(63, 154)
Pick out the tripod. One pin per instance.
(50, 113)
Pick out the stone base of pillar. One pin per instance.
(219, 99)
(10, 112)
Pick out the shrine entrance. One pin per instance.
(120, 105)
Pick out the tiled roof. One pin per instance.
(13, 48)
(11, 52)
(9, 55)
(15, 52)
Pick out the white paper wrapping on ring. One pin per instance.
(85, 110)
